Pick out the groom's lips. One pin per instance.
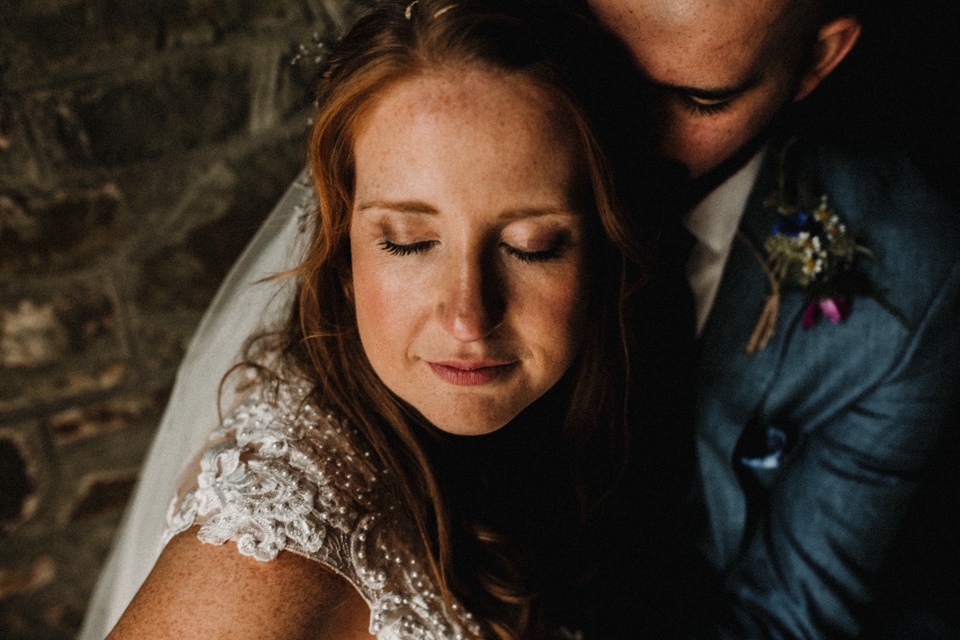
(471, 374)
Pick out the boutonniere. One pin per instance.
(811, 250)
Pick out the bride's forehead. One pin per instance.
(465, 126)
(469, 91)
(484, 103)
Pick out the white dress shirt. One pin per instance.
(714, 222)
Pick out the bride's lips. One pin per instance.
(469, 374)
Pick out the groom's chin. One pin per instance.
(701, 186)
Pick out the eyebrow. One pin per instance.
(400, 206)
(419, 207)
(719, 93)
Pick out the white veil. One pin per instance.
(241, 307)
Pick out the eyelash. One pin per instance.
(405, 249)
(532, 256)
(701, 109)
(419, 247)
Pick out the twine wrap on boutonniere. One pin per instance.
(810, 249)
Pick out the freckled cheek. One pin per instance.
(387, 307)
(552, 316)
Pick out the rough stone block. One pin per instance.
(16, 487)
(68, 230)
(216, 217)
(15, 221)
(39, 575)
(18, 483)
(163, 340)
(62, 342)
(337, 15)
(5, 127)
(45, 329)
(31, 335)
(102, 493)
(64, 616)
(20, 166)
(180, 275)
(114, 414)
(262, 175)
(137, 121)
(176, 278)
(51, 37)
(54, 611)
(193, 22)
(33, 391)
(50, 577)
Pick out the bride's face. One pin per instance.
(468, 247)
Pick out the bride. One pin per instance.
(419, 451)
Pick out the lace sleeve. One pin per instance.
(281, 474)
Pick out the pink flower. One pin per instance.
(835, 309)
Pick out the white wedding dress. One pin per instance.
(243, 306)
(281, 474)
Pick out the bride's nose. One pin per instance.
(472, 305)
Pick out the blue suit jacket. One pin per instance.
(864, 404)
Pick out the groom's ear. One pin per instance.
(835, 39)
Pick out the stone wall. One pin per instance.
(141, 144)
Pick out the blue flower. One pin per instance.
(791, 225)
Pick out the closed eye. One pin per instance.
(533, 256)
(706, 107)
(406, 249)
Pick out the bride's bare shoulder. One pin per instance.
(199, 590)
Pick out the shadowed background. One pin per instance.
(141, 144)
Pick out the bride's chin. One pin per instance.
(470, 417)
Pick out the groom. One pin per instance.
(821, 396)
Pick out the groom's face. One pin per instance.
(720, 70)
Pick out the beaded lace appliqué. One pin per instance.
(282, 475)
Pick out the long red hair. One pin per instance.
(398, 41)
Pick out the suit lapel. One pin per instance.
(731, 384)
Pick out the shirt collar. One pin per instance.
(715, 219)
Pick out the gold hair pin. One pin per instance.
(409, 12)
